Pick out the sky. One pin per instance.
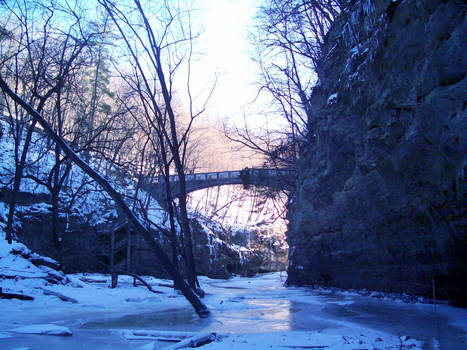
(227, 52)
(224, 50)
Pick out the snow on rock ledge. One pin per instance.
(18, 262)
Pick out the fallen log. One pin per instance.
(143, 334)
(305, 346)
(143, 282)
(9, 295)
(37, 259)
(53, 276)
(91, 280)
(43, 329)
(196, 341)
(41, 261)
(183, 339)
(60, 296)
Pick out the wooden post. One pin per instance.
(114, 280)
(112, 252)
(128, 249)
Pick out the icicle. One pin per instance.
(368, 7)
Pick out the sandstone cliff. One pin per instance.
(381, 196)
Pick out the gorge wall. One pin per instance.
(381, 193)
(85, 244)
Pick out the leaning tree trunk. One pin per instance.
(187, 291)
(175, 148)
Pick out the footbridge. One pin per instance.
(282, 179)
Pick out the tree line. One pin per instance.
(105, 77)
(113, 109)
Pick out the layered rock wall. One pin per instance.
(85, 246)
(381, 197)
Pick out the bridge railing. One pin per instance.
(219, 175)
(225, 175)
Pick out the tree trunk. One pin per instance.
(185, 224)
(55, 192)
(17, 182)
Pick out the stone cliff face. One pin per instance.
(381, 196)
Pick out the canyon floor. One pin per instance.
(246, 313)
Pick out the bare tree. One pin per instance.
(159, 44)
(48, 58)
(199, 307)
(288, 36)
(31, 79)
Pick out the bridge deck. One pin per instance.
(274, 178)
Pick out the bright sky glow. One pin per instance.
(242, 209)
(227, 52)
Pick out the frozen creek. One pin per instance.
(255, 313)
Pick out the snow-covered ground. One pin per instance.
(256, 313)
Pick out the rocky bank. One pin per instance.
(381, 195)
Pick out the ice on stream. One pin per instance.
(250, 313)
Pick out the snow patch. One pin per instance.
(43, 329)
(332, 98)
